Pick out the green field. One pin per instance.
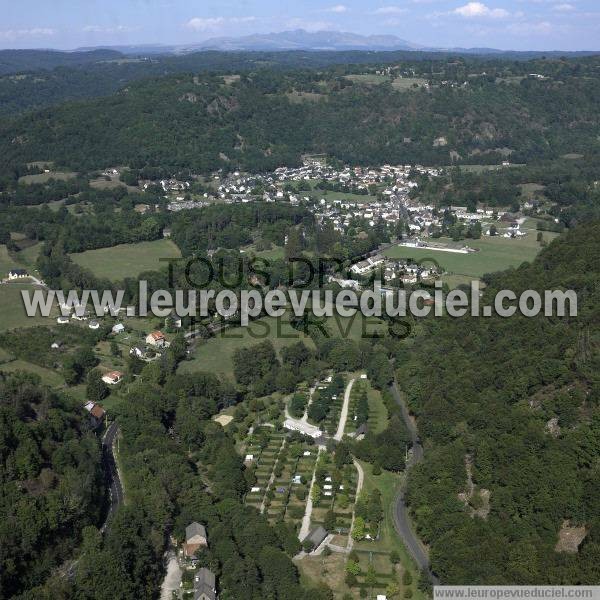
(127, 260)
(6, 262)
(344, 196)
(216, 354)
(408, 83)
(12, 311)
(369, 78)
(49, 377)
(496, 254)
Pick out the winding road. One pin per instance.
(401, 519)
(111, 473)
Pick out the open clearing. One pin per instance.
(495, 254)
(13, 314)
(404, 84)
(216, 354)
(45, 177)
(49, 377)
(127, 260)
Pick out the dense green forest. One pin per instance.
(515, 402)
(269, 118)
(179, 466)
(31, 79)
(51, 478)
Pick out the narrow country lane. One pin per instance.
(401, 517)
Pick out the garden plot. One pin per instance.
(261, 454)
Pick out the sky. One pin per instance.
(503, 24)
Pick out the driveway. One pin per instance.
(344, 416)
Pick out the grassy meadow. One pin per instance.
(127, 260)
(495, 254)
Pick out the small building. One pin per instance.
(96, 412)
(156, 338)
(56, 345)
(137, 352)
(173, 320)
(316, 536)
(17, 274)
(94, 324)
(205, 585)
(118, 328)
(62, 320)
(113, 377)
(195, 538)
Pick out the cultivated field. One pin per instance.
(127, 260)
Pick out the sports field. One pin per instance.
(127, 260)
(495, 254)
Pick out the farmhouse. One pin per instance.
(17, 274)
(113, 377)
(204, 585)
(156, 338)
(195, 538)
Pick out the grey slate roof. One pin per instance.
(317, 535)
(194, 529)
(204, 583)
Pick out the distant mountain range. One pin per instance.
(299, 39)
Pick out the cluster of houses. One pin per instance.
(399, 271)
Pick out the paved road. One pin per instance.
(401, 518)
(111, 473)
(344, 415)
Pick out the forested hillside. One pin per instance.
(51, 481)
(31, 79)
(513, 404)
(267, 119)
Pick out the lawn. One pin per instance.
(12, 311)
(127, 260)
(496, 254)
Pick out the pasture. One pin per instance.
(495, 254)
(127, 260)
(12, 311)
